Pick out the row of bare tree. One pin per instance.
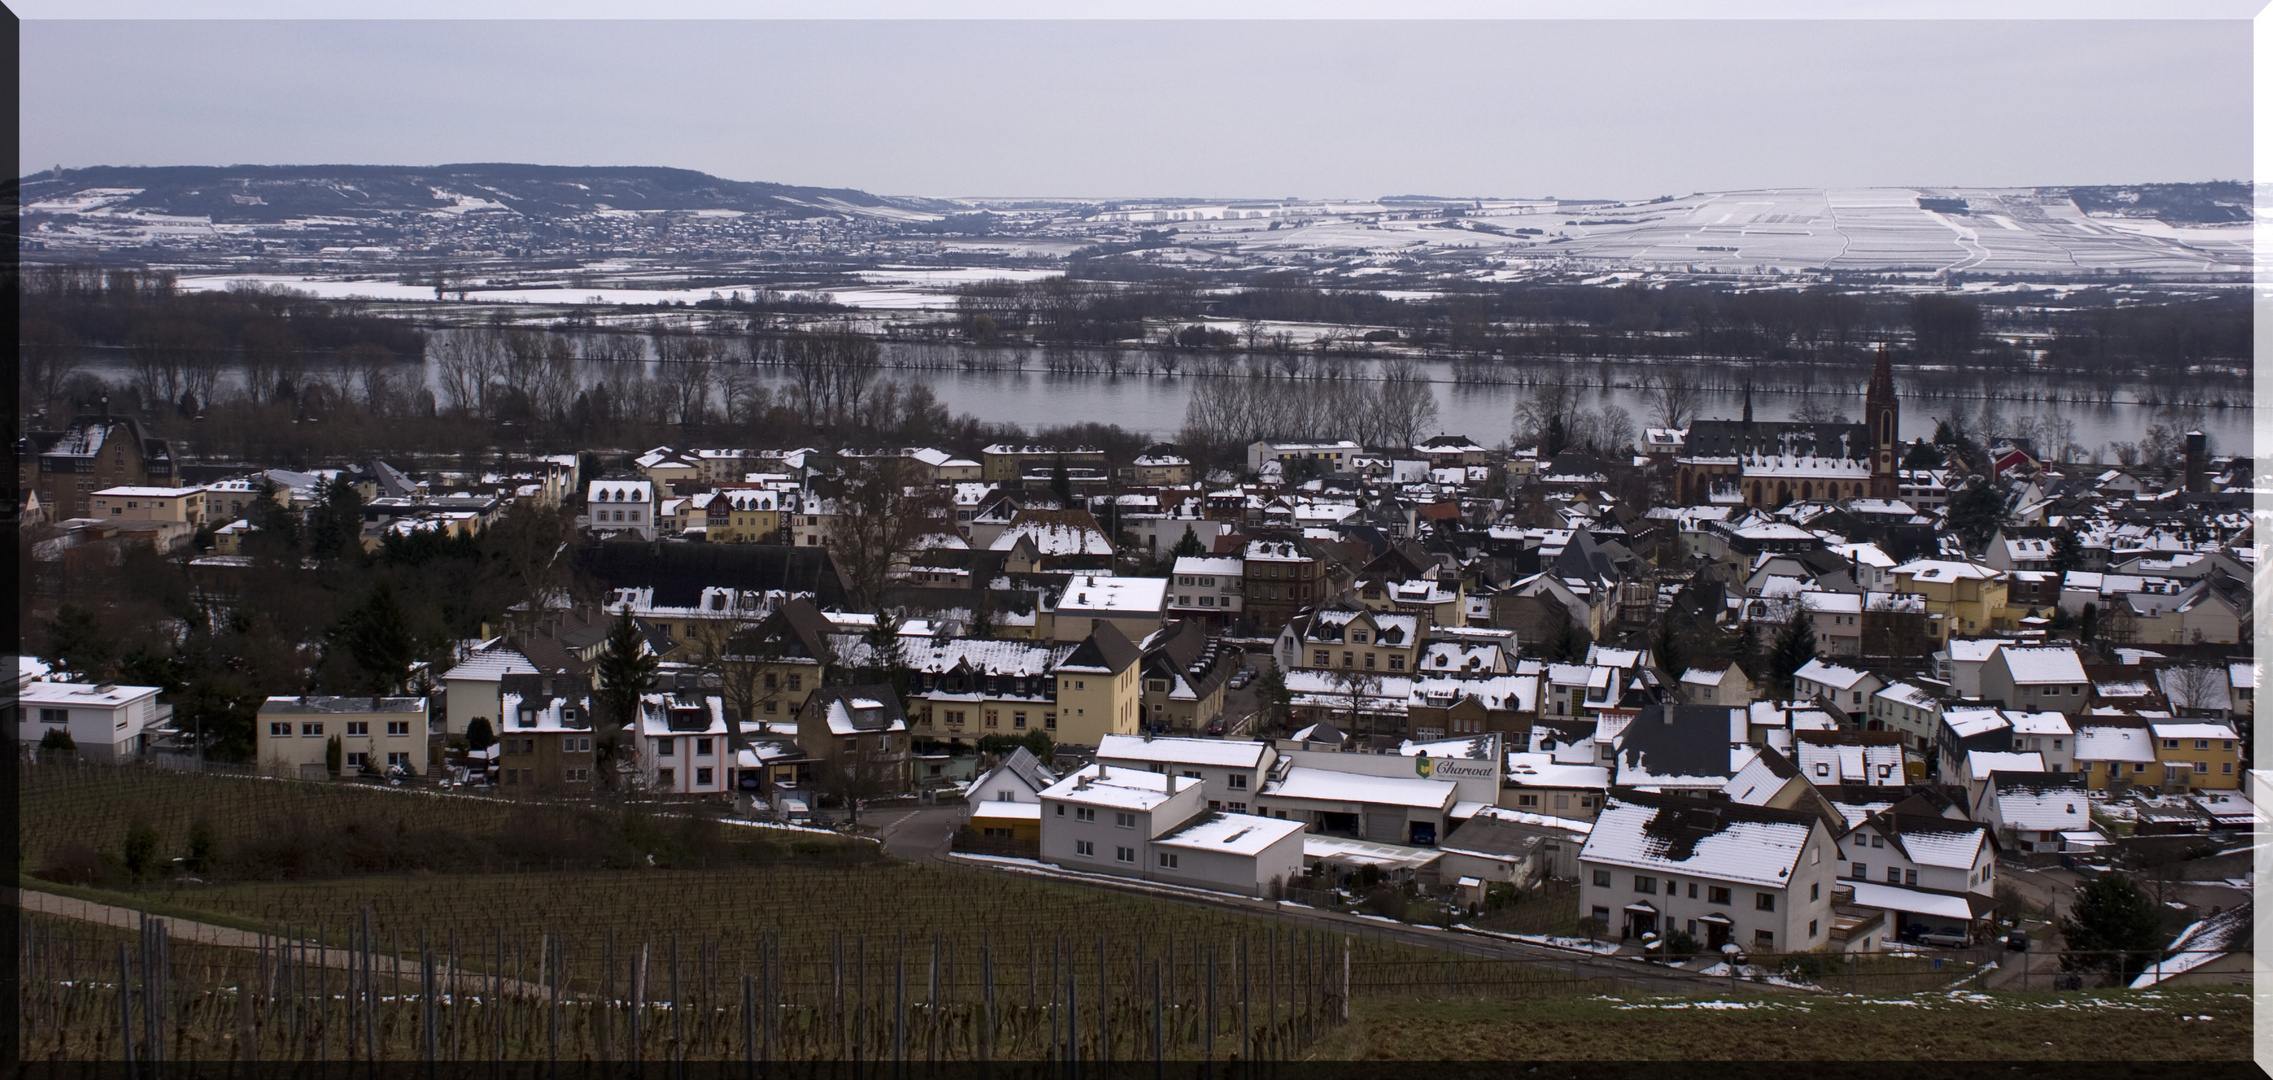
(1239, 400)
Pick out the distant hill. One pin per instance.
(266, 194)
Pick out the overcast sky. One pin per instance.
(1092, 109)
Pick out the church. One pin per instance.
(1768, 464)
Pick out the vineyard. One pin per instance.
(796, 948)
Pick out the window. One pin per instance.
(398, 757)
(1763, 940)
(1527, 800)
(1321, 658)
(1645, 884)
(2201, 766)
(275, 730)
(1764, 901)
(360, 727)
(1815, 891)
(577, 776)
(2170, 744)
(665, 747)
(311, 730)
(2201, 744)
(1049, 721)
(1347, 658)
(1563, 802)
(1894, 875)
(356, 759)
(1124, 821)
(1909, 877)
(1811, 923)
(1692, 890)
(1715, 894)
(702, 747)
(1084, 847)
(1018, 721)
(1061, 809)
(1084, 813)
(1861, 872)
(702, 776)
(1236, 808)
(2226, 744)
(2226, 767)
(1238, 782)
(796, 681)
(1167, 861)
(1602, 879)
(398, 727)
(994, 718)
(1878, 841)
(1124, 854)
(666, 777)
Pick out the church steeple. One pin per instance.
(1882, 417)
(1748, 403)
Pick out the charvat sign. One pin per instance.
(1429, 768)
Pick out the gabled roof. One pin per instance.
(1707, 838)
(2225, 933)
(1105, 650)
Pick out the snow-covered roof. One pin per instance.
(1113, 595)
(1325, 785)
(2134, 745)
(1209, 565)
(2193, 730)
(1723, 847)
(1832, 675)
(2221, 934)
(1233, 834)
(1218, 753)
(488, 665)
(1123, 789)
(1974, 720)
(1536, 769)
(1872, 894)
(2040, 666)
(1980, 763)
(2045, 809)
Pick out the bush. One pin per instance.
(1680, 946)
(139, 854)
(75, 863)
(1802, 966)
(57, 739)
(1387, 901)
(478, 734)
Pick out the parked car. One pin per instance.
(1216, 728)
(1242, 678)
(1948, 937)
(2017, 942)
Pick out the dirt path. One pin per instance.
(330, 956)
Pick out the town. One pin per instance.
(1735, 692)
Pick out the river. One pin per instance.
(1035, 397)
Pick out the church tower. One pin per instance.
(1882, 415)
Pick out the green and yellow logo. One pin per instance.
(1423, 766)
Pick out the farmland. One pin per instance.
(2171, 1025)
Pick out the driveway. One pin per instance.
(916, 833)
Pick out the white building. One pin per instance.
(105, 722)
(1135, 606)
(2045, 678)
(621, 508)
(1721, 872)
(1233, 770)
(682, 745)
(1206, 587)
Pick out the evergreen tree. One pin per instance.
(277, 527)
(335, 526)
(626, 670)
(1272, 698)
(77, 645)
(885, 664)
(1189, 546)
(1671, 654)
(1061, 485)
(479, 735)
(1794, 647)
(1975, 511)
(376, 636)
(2113, 919)
(2067, 551)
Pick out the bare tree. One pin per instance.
(1357, 687)
(48, 357)
(883, 509)
(2193, 688)
(1673, 396)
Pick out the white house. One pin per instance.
(472, 688)
(2046, 733)
(1907, 708)
(1848, 689)
(1239, 853)
(621, 508)
(1722, 872)
(106, 722)
(682, 744)
(1233, 770)
(1960, 663)
(2036, 679)
(1206, 587)
(1729, 686)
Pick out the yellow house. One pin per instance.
(1008, 820)
(1343, 639)
(293, 735)
(184, 505)
(1098, 692)
(1963, 599)
(2197, 754)
(752, 517)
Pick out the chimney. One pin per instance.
(1171, 783)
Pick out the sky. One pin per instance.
(1632, 108)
